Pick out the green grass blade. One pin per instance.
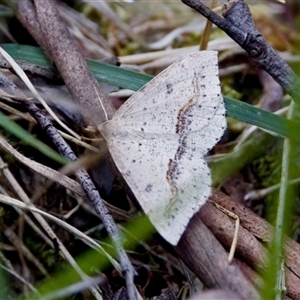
(261, 118)
(133, 80)
(102, 71)
(30, 54)
(118, 76)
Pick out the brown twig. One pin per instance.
(207, 258)
(26, 14)
(92, 194)
(238, 24)
(255, 233)
(57, 43)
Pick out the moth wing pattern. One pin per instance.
(159, 136)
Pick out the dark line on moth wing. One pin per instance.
(182, 129)
(172, 166)
(181, 121)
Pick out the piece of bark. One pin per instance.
(223, 227)
(249, 248)
(206, 257)
(255, 278)
(26, 14)
(254, 232)
(260, 228)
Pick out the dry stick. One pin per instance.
(55, 242)
(26, 14)
(92, 193)
(206, 257)
(215, 294)
(238, 24)
(94, 105)
(43, 22)
(248, 247)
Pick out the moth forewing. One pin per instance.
(159, 136)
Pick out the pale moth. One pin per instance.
(158, 139)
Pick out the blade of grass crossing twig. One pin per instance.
(133, 80)
(35, 93)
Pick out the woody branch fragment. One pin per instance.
(238, 24)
